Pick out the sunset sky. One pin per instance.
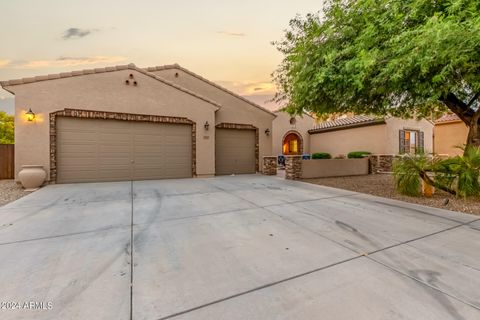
(228, 42)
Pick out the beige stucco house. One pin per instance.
(376, 135)
(290, 134)
(128, 123)
(449, 133)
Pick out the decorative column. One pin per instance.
(293, 167)
(269, 166)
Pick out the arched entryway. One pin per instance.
(292, 143)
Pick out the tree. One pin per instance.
(6, 128)
(387, 57)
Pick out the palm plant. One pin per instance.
(407, 171)
(459, 175)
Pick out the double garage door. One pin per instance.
(91, 150)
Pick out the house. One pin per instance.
(128, 123)
(290, 134)
(449, 133)
(378, 135)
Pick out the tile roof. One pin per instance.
(449, 117)
(179, 67)
(346, 123)
(130, 66)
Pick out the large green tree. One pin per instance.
(6, 128)
(387, 57)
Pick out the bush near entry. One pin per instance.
(358, 154)
(321, 155)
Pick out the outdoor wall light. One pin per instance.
(267, 132)
(30, 115)
(206, 125)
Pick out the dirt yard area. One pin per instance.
(382, 185)
(10, 191)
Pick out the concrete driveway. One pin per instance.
(244, 247)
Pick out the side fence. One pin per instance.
(7, 161)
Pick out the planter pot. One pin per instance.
(427, 190)
(32, 177)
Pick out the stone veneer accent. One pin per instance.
(380, 163)
(293, 167)
(91, 114)
(300, 147)
(269, 166)
(239, 126)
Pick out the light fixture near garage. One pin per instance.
(30, 115)
(267, 131)
(206, 125)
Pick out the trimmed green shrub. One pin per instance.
(321, 155)
(358, 154)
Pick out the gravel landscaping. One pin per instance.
(10, 191)
(382, 185)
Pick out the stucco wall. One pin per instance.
(449, 135)
(281, 125)
(105, 92)
(341, 142)
(234, 110)
(394, 125)
(334, 168)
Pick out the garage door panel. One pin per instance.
(91, 150)
(235, 151)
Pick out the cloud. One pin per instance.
(4, 62)
(68, 62)
(77, 33)
(232, 34)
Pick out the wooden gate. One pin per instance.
(7, 161)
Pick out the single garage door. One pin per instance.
(93, 150)
(234, 151)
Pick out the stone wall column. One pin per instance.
(381, 163)
(293, 167)
(269, 167)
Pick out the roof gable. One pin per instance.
(131, 66)
(193, 74)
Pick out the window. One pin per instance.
(411, 141)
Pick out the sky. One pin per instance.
(228, 42)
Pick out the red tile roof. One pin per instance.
(346, 123)
(449, 117)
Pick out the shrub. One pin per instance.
(407, 171)
(459, 175)
(321, 155)
(358, 154)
